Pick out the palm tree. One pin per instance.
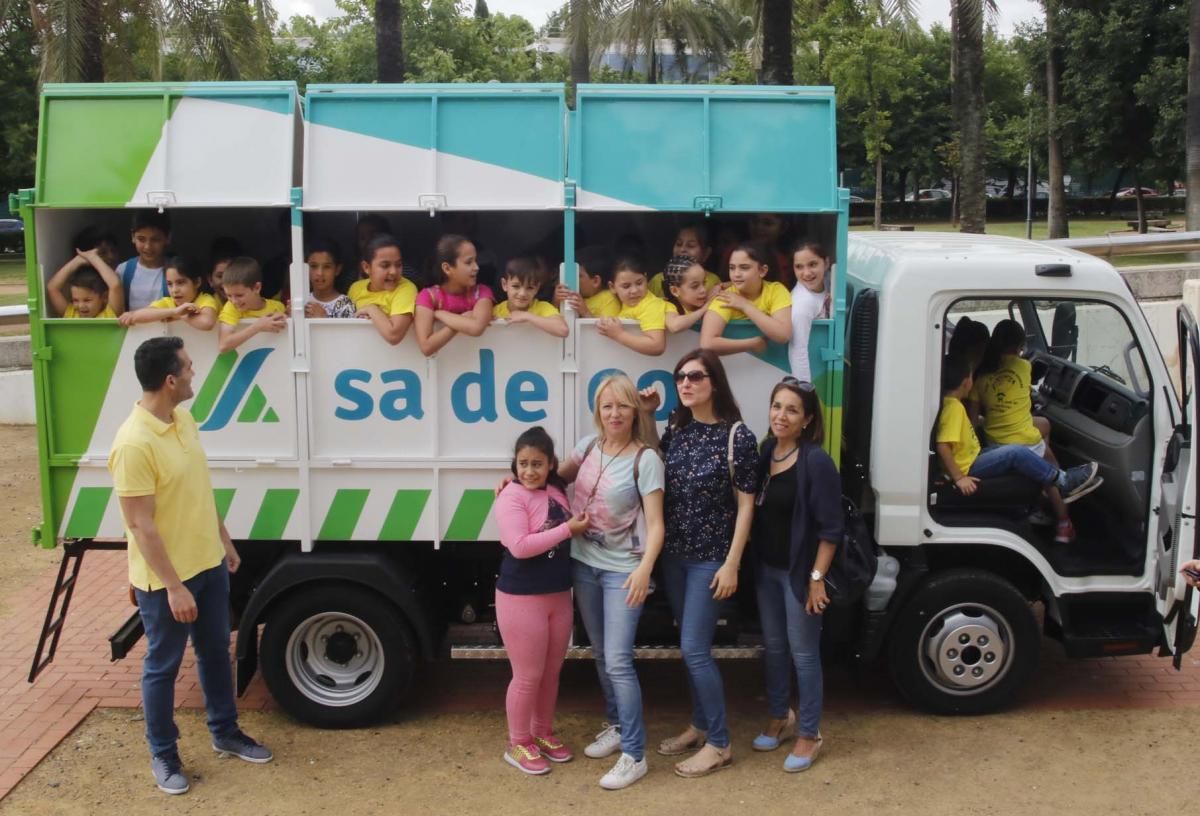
(389, 41)
(705, 26)
(966, 66)
(776, 17)
(88, 40)
(1056, 216)
(580, 18)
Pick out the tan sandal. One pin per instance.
(697, 766)
(690, 740)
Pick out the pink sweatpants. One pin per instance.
(536, 630)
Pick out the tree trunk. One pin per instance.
(879, 190)
(581, 57)
(92, 63)
(777, 42)
(1010, 191)
(1056, 215)
(1141, 207)
(1112, 197)
(901, 178)
(389, 41)
(652, 66)
(955, 200)
(969, 115)
(1193, 118)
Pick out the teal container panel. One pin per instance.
(704, 147)
(419, 147)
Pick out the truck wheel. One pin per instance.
(964, 644)
(337, 656)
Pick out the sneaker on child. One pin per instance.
(527, 759)
(627, 771)
(553, 749)
(1075, 483)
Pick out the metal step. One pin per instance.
(489, 652)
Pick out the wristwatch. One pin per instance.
(816, 575)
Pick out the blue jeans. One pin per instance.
(166, 640)
(1001, 459)
(792, 638)
(695, 609)
(611, 627)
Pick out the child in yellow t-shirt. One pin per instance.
(748, 296)
(594, 298)
(629, 285)
(94, 289)
(520, 282)
(688, 293)
(692, 241)
(965, 463)
(243, 287)
(385, 297)
(186, 301)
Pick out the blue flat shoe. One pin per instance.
(795, 764)
(765, 742)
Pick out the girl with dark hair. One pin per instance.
(458, 301)
(385, 296)
(188, 299)
(749, 296)
(797, 527)
(711, 461)
(533, 598)
(810, 301)
(687, 291)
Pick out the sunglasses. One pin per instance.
(690, 376)
(802, 385)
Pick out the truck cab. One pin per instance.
(977, 583)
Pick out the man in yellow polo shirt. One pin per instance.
(180, 557)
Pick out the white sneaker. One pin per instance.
(606, 743)
(627, 771)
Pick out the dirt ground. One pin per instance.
(444, 756)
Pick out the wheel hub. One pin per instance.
(966, 648)
(335, 659)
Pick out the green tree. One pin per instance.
(18, 100)
(704, 26)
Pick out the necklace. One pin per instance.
(603, 467)
(784, 458)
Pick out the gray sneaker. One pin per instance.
(1075, 483)
(168, 773)
(243, 747)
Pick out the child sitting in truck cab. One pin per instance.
(520, 281)
(629, 285)
(243, 287)
(968, 341)
(1002, 394)
(188, 301)
(85, 286)
(965, 463)
(458, 301)
(748, 296)
(594, 298)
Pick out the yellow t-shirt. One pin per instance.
(656, 283)
(650, 312)
(152, 458)
(539, 308)
(401, 300)
(231, 316)
(773, 297)
(603, 304)
(202, 301)
(1007, 406)
(73, 312)
(954, 427)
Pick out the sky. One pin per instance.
(1011, 13)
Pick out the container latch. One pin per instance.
(707, 203)
(432, 203)
(160, 199)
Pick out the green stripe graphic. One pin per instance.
(271, 416)
(469, 516)
(223, 496)
(405, 513)
(343, 515)
(254, 406)
(90, 505)
(206, 398)
(273, 515)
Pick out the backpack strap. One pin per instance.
(637, 459)
(729, 455)
(127, 271)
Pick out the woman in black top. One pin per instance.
(707, 509)
(797, 525)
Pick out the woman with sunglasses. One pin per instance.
(797, 525)
(708, 505)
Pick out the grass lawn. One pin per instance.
(1080, 228)
(11, 300)
(12, 269)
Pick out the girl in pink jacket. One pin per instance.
(533, 599)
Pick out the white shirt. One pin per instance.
(807, 306)
(145, 288)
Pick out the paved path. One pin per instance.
(35, 718)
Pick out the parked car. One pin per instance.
(1131, 192)
(1179, 192)
(857, 200)
(12, 235)
(929, 195)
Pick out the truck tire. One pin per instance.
(964, 644)
(337, 656)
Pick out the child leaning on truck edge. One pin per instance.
(458, 301)
(959, 450)
(386, 297)
(629, 285)
(594, 298)
(520, 281)
(324, 260)
(85, 286)
(243, 287)
(143, 276)
(189, 301)
(748, 296)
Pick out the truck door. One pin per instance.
(1177, 540)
